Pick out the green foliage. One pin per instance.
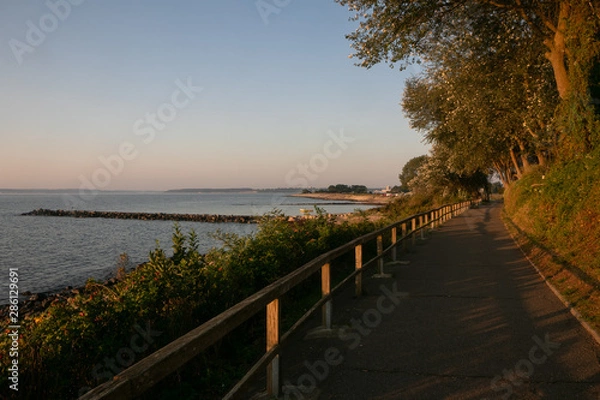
(70, 341)
(340, 188)
(560, 208)
(505, 84)
(416, 203)
(436, 177)
(410, 171)
(578, 114)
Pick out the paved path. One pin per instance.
(469, 318)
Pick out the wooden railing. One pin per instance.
(143, 375)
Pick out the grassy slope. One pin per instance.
(557, 216)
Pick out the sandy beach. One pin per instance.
(358, 198)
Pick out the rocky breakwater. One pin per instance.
(211, 218)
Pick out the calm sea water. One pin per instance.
(54, 252)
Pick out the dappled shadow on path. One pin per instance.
(474, 321)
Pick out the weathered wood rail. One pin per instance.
(143, 375)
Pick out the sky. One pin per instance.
(156, 95)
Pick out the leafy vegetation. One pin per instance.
(507, 89)
(505, 85)
(561, 209)
(340, 188)
(558, 210)
(410, 171)
(84, 340)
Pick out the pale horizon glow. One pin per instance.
(156, 96)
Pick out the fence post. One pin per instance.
(422, 226)
(394, 240)
(413, 225)
(379, 252)
(381, 274)
(325, 291)
(274, 367)
(404, 245)
(358, 266)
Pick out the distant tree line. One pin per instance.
(340, 188)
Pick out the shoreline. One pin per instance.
(367, 198)
(37, 301)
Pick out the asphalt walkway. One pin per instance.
(468, 318)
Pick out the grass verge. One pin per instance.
(554, 216)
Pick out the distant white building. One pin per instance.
(386, 191)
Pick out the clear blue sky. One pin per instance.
(102, 80)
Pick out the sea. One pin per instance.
(51, 253)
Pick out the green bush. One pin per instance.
(64, 349)
(560, 209)
(416, 203)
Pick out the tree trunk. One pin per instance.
(541, 157)
(504, 174)
(500, 173)
(557, 51)
(524, 156)
(513, 157)
(525, 162)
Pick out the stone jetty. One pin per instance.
(211, 218)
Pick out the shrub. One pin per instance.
(560, 210)
(71, 340)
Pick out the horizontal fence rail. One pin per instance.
(146, 373)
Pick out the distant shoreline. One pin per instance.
(373, 199)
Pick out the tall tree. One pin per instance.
(409, 171)
(490, 108)
(566, 31)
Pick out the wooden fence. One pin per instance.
(143, 375)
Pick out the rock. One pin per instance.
(37, 297)
(145, 216)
